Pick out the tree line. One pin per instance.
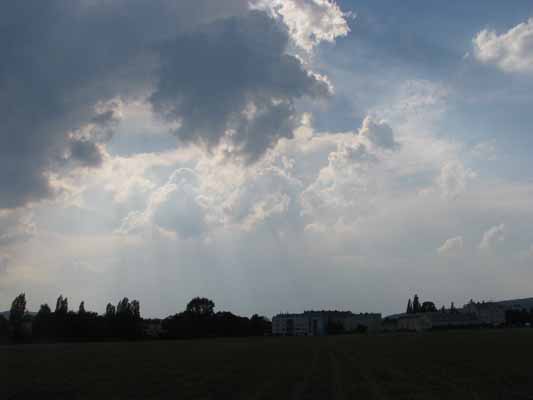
(521, 317)
(415, 306)
(123, 322)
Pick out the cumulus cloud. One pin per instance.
(215, 68)
(511, 51)
(453, 178)
(346, 182)
(310, 21)
(379, 133)
(492, 237)
(175, 206)
(451, 246)
(356, 173)
(234, 80)
(291, 182)
(318, 199)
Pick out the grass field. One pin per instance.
(493, 364)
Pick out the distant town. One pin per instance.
(418, 316)
(199, 320)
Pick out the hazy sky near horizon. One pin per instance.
(272, 155)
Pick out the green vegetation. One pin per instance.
(484, 364)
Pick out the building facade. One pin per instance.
(407, 323)
(299, 325)
(488, 313)
(369, 322)
(318, 323)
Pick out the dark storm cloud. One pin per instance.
(59, 60)
(207, 60)
(233, 75)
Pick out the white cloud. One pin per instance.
(310, 22)
(492, 237)
(176, 206)
(451, 246)
(511, 51)
(320, 205)
(453, 179)
(276, 203)
(201, 66)
(415, 103)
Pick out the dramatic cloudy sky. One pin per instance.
(273, 155)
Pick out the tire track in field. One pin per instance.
(338, 384)
(302, 387)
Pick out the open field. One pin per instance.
(494, 364)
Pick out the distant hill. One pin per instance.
(526, 303)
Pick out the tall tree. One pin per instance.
(135, 308)
(409, 307)
(16, 316)
(81, 309)
(416, 304)
(110, 311)
(18, 310)
(123, 307)
(201, 306)
(61, 306)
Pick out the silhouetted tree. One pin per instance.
(416, 304)
(110, 311)
(201, 306)
(18, 310)
(44, 310)
(16, 317)
(44, 324)
(452, 308)
(81, 309)
(260, 325)
(428, 306)
(127, 320)
(200, 320)
(135, 308)
(61, 306)
(123, 307)
(409, 307)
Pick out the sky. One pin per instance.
(272, 155)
